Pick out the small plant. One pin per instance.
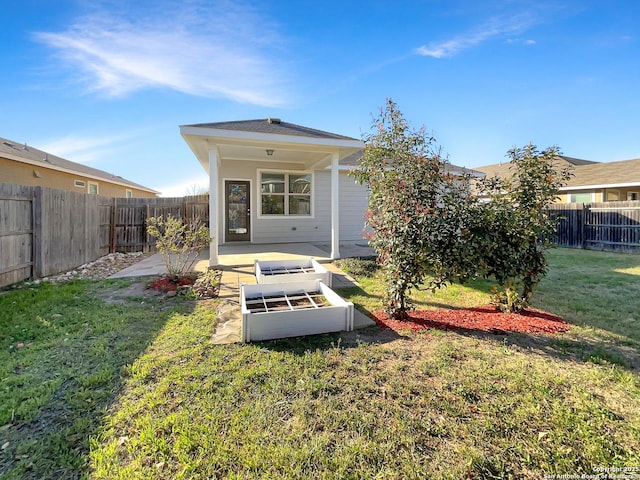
(179, 243)
(207, 285)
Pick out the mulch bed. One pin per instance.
(486, 319)
(166, 284)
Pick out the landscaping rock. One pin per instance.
(207, 285)
(99, 269)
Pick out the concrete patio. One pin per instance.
(237, 265)
(238, 255)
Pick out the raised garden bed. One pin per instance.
(281, 271)
(271, 311)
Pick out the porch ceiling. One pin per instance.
(308, 152)
(281, 154)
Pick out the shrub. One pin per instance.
(516, 226)
(415, 207)
(179, 243)
(427, 224)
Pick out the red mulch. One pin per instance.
(486, 319)
(166, 284)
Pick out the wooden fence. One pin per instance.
(45, 231)
(16, 233)
(123, 220)
(613, 226)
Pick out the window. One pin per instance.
(128, 193)
(581, 197)
(93, 188)
(613, 195)
(79, 183)
(632, 196)
(285, 193)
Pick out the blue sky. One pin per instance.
(108, 82)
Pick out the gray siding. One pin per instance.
(353, 205)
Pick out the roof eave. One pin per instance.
(602, 185)
(260, 137)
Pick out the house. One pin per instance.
(275, 182)
(603, 182)
(23, 164)
(591, 181)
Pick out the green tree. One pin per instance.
(516, 227)
(416, 206)
(179, 243)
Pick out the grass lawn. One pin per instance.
(111, 383)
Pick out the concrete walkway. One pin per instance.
(237, 265)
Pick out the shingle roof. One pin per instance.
(271, 126)
(353, 160)
(585, 172)
(47, 160)
(609, 173)
(503, 170)
(577, 161)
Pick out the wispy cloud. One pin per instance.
(209, 49)
(85, 149)
(495, 28)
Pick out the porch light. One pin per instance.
(269, 151)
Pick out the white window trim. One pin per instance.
(312, 197)
(612, 190)
(128, 193)
(97, 188)
(632, 192)
(79, 183)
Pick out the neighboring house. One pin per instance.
(273, 182)
(591, 181)
(603, 182)
(23, 164)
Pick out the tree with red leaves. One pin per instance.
(416, 206)
(516, 224)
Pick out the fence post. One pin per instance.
(112, 227)
(184, 210)
(36, 229)
(146, 247)
(583, 224)
(34, 238)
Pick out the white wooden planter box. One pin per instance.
(271, 311)
(280, 271)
